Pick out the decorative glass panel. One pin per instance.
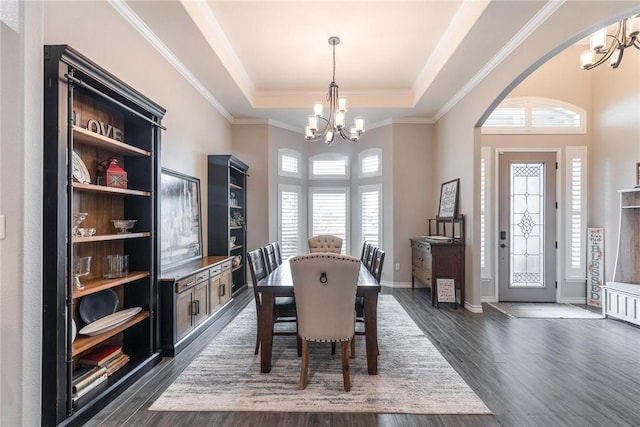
(527, 225)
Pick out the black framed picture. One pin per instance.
(180, 219)
(449, 199)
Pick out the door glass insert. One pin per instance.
(527, 225)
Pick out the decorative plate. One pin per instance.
(95, 306)
(80, 171)
(74, 330)
(109, 322)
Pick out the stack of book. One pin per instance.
(95, 367)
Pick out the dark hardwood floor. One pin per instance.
(529, 372)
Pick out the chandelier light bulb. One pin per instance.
(342, 105)
(614, 59)
(313, 123)
(633, 26)
(340, 119)
(318, 109)
(308, 133)
(359, 124)
(586, 59)
(329, 137)
(598, 39)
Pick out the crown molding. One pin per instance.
(134, 20)
(547, 10)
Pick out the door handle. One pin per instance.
(502, 245)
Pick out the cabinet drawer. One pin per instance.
(226, 265)
(216, 269)
(422, 247)
(183, 284)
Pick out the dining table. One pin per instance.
(279, 283)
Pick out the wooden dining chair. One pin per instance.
(376, 272)
(325, 243)
(378, 263)
(270, 257)
(284, 309)
(365, 249)
(371, 257)
(276, 248)
(325, 287)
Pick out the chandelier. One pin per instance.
(626, 35)
(320, 128)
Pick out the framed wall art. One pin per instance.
(448, 207)
(180, 219)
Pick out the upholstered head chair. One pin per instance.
(325, 286)
(325, 243)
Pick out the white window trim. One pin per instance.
(366, 153)
(293, 189)
(348, 233)
(528, 103)
(486, 272)
(576, 273)
(366, 189)
(290, 153)
(328, 156)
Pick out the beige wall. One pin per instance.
(414, 197)
(250, 144)
(616, 146)
(21, 203)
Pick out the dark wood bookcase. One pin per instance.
(227, 212)
(126, 126)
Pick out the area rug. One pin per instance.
(413, 377)
(544, 310)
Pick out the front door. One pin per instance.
(527, 227)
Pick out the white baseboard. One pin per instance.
(473, 308)
(400, 285)
(488, 299)
(573, 300)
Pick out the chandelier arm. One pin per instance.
(607, 54)
(347, 137)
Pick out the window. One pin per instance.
(329, 209)
(370, 162)
(371, 213)
(288, 163)
(328, 166)
(289, 197)
(485, 212)
(535, 116)
(576, 184)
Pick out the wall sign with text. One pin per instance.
(595, 265)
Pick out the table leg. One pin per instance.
(266, 331)
(371, 330)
